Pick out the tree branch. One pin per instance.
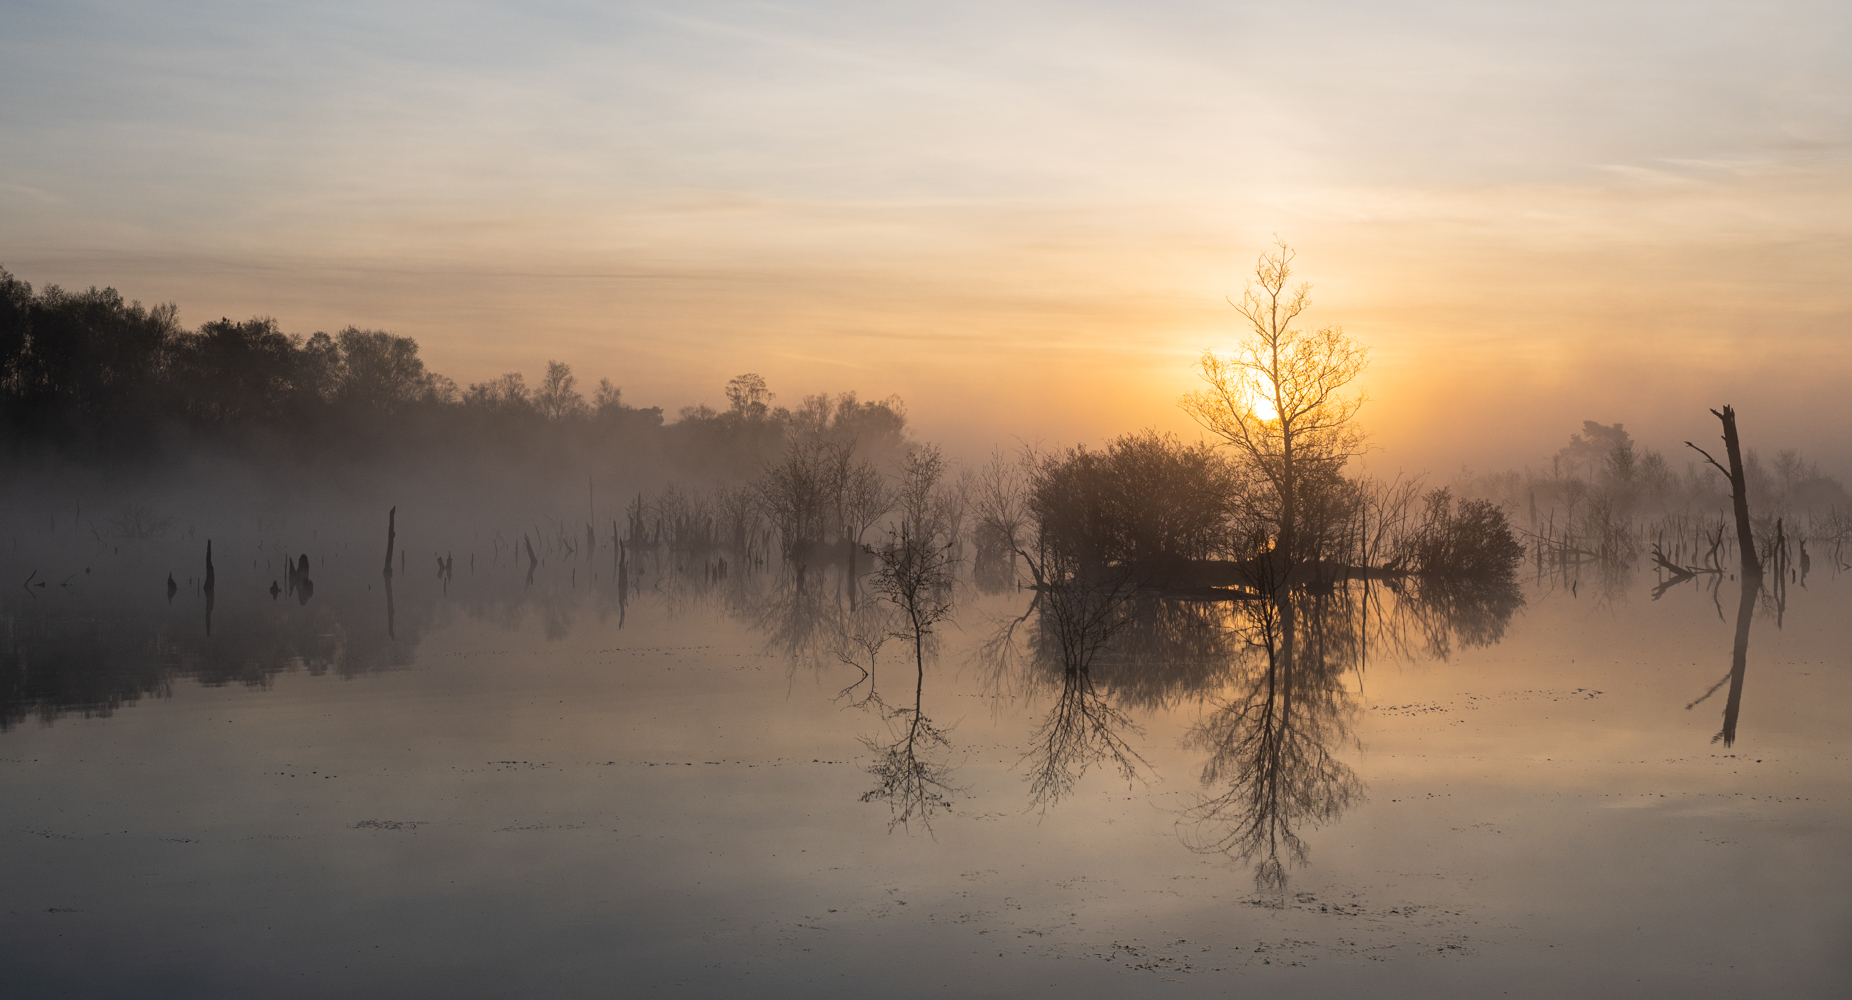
(1708, 458)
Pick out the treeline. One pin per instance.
(1606, 497)
(1604, 465)
(89, 376)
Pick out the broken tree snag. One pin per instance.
(1739, 492)
(392, 521)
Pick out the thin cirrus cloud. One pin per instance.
(1022, 218)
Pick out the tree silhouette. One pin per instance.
(1278, 397)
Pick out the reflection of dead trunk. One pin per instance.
(210, 586)
(305, 587)
(1739, 492)
(392, 520)
(532, 560)
(1739, 660)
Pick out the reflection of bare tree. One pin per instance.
(1083, 728)
(799, 617)
(1079, 617)
(1270, 744)
(866, 628)
(1739, 663)
(911, 774)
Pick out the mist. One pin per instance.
(1049, 499)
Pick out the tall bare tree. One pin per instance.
(1279, 398)
(558, 396)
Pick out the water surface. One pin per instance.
(480, 786)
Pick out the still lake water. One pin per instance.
(556, 789)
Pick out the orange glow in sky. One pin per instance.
(1023, 221)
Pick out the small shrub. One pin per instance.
(1468, 539)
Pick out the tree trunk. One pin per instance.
(1739, 495)
(1289, 509)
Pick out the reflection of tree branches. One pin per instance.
(864, 631)
(1605, 580)
(1271, 742)
(1080, 730)
(800, 619)
(1001, 659)
(1079, 617)
(909, 777)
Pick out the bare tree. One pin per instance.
(1277, 399)
(999, 498)
(607, 397)
(795, 495)
(920, 473)
(558, 396)
(867, 498)
(916, 578)
(748, 396)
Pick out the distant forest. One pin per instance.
(87, 376)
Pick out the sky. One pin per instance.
(1022, 218)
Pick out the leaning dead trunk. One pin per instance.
(1739, 491)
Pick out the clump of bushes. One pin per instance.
(1463, 539)
(1147, 501)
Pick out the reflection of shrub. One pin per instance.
(1463, 612)
(137, 523)
(1468, 539)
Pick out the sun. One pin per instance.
(1260, 405)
